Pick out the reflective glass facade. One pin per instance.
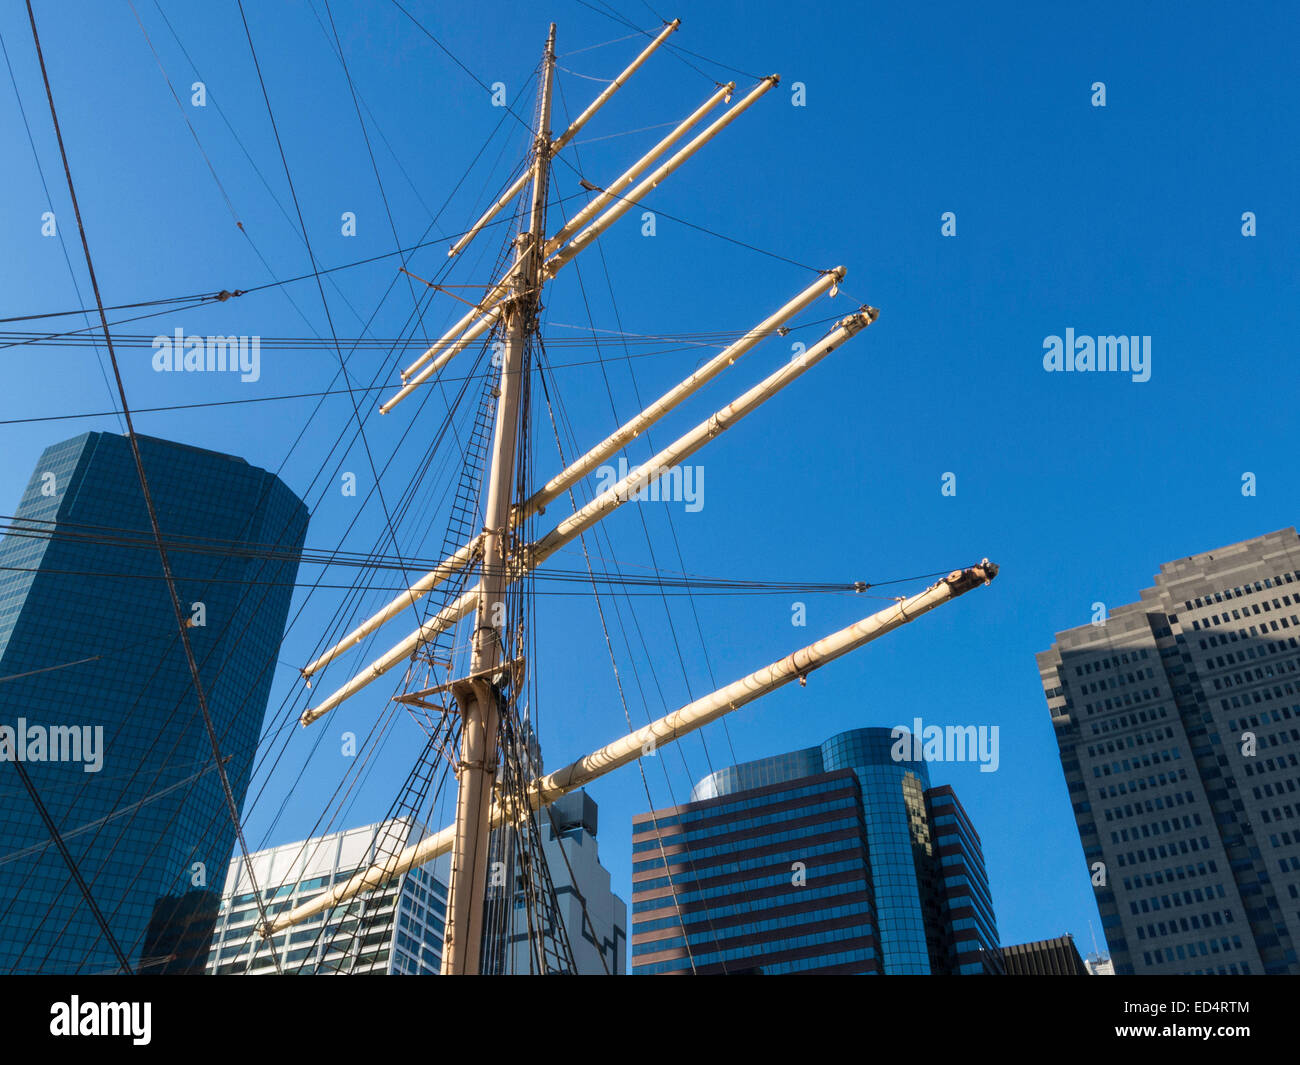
(964, 940)
(894, 811)
(827, 859)
(769, 879)
(87, 622)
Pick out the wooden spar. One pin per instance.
(453, 563)
(625, 204)
(518, 185)
(486, 313)
(608, 501)
(578, 469)
(514, 189)
(489, 306)
(666, 730)
(614, 86)
(634, 427)
(638, 168)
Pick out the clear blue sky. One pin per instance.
(1117, 220)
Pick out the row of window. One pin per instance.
(1143, 762)
(1155, 828)
(863, 959)
(1243, 613)
(1264, 717)
(1123, 721)
(749, 903)
(1260, 673)
(1255, 767)
(1116, 680)
(1168, 876)
(1273, 647)
(752, 953)
(1183, 953)
(673, 844)
(1106, 664)
(720, 809)
(716, 938)
(1163, 851)
(1270, 791)
(1193, 897)
(1124, 787)
(692, 856)
(679, 900)
(1176, 798)
(1132, 698)
(1242, 590)
(1138, 739)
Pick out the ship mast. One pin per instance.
(478, 695)
(499, 553)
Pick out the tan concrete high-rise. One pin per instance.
(1178, 722)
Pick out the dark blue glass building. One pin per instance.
(963, 930)
(838, 858)
(98, 704)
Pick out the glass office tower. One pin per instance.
(962, 930)
(97, 703)
(839, 858)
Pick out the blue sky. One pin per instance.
(1125, 219)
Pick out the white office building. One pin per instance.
(396, 931)
(399, 930)
(594, 917)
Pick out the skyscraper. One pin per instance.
(833, 859)
(1178, 722)
(98, 705)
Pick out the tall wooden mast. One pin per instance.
(477, 696)
(510, 307)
